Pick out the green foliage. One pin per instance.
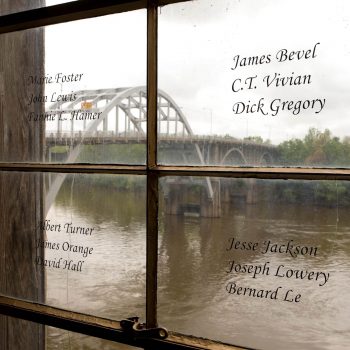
(114, 154)
(117, 183)
(59, 149)
(292, 152)
(316, 149)
(312, 193)
(257, 139)
(332, 193)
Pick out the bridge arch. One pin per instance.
(266, 159)
(131, 101)
(231, 151)
(93, 109)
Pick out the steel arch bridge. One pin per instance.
(92, 108)
(118, 114)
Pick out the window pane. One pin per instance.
(85, 102)
(13, 6)
(81, 248)
(260, 264)
(242, 84)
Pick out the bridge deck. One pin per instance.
(111, 138)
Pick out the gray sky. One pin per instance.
(197, 43)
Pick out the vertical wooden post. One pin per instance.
(152, 178)
(21, 194)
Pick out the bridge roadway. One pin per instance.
(215, 149)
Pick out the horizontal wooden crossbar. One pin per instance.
(206, 171)
(70, 11)
(100, 327)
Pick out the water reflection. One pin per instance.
(112, 281)
(193, 259)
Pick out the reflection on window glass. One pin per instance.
(250, 87)
(255, 263)
(97, 89)
(75, 241)
(86, 101)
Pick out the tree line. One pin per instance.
(317, 149)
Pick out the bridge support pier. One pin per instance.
(174, 201)
(252, 195)
(179, 200)
(225, 193)
(211, 207)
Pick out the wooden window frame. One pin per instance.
(101, 327)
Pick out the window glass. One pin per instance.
(76, 91)
(237, 86)
(13, 6)
(61, 339)
(260, 264)
(81, 247)
(254, 83)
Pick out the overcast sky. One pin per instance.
(197, 43)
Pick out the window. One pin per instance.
(205, 191)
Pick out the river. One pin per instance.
(194, 260)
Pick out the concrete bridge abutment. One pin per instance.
(190, 199)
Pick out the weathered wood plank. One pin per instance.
(21, 206)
